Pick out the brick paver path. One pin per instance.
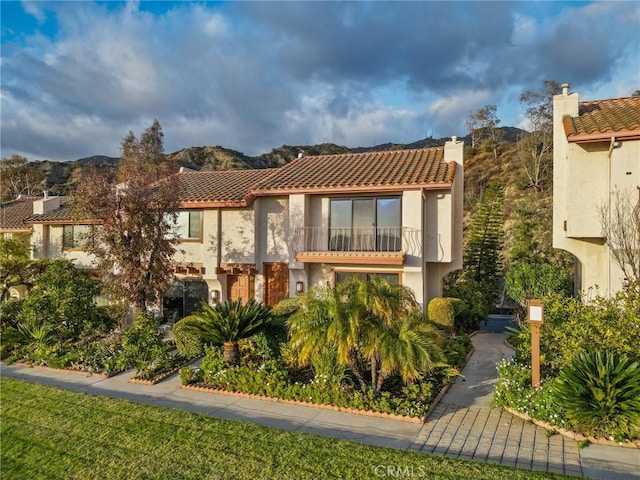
(474, 431)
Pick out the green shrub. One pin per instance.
(286, 307)
(189, 344)
(10, 311)
(459, 307)
(440, 311)
(326, 365)
(143, 346)
(600, 392)
(456, 349)
(526, 280)
(514, 390)
(189, 375)
(570, 326)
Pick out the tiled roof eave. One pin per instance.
(60, 221)
(215, 203)
(603, 136)
(350, 189)
(15, 230)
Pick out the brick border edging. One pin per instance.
(65, 370)
(369, 413)
(578, 437)
(155, 380)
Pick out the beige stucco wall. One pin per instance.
(46, 242)
(584, 178)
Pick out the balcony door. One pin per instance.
(365, 224)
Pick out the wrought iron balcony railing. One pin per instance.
(358, 240)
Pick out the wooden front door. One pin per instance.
(240, 286)
(276, 283)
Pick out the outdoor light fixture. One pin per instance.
(535, 317)
(215, 295)
(299, 286)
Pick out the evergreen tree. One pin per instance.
(482, 257)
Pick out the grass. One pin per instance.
(50, 433)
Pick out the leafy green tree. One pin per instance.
(18, 176)
(135, 212)
(228, 323)
(16, 268)
(63, 297)
(526, 280)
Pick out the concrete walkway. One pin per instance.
(462, 425)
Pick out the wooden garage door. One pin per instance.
(276, 283)
(240, 286)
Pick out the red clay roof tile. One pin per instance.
(369, 170)
(219, 188)
(601, 119)
(13, 214)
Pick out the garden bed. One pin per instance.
(162, 375)
(574, 435)
(369, 413)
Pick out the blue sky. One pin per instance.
(77, 76)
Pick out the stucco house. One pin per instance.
(13, 214)
(596, 155)
(273, 233)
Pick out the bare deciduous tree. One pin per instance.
(620, 222)
(535, 149)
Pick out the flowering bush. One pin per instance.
(514, 391)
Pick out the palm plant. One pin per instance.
(328, 318)
(227, 323)
(372, 321)
(600, 391)
(395, 336)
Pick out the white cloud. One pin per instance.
(34, 9)
(251, 76)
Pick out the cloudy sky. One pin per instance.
(78, 76)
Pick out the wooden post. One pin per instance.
(535, 316)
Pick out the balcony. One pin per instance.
(358, 245)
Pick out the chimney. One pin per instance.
(565, 89)
(454, 139)
(46, 205)
(300, 154)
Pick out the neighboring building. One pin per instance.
(596, 152)
(13, 214)
(12, 226)
(272, 233)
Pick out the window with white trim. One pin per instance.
(75, 236)
(188, 225)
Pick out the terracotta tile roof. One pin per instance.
(373, 171)
(13, 214)
(221, 188)
(60, 215)
(601, 119)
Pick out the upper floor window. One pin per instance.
(75, 236)
(366, 224)
(391, 278)
(188, 225)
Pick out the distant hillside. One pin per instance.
(481, 169)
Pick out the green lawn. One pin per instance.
(49, 433)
